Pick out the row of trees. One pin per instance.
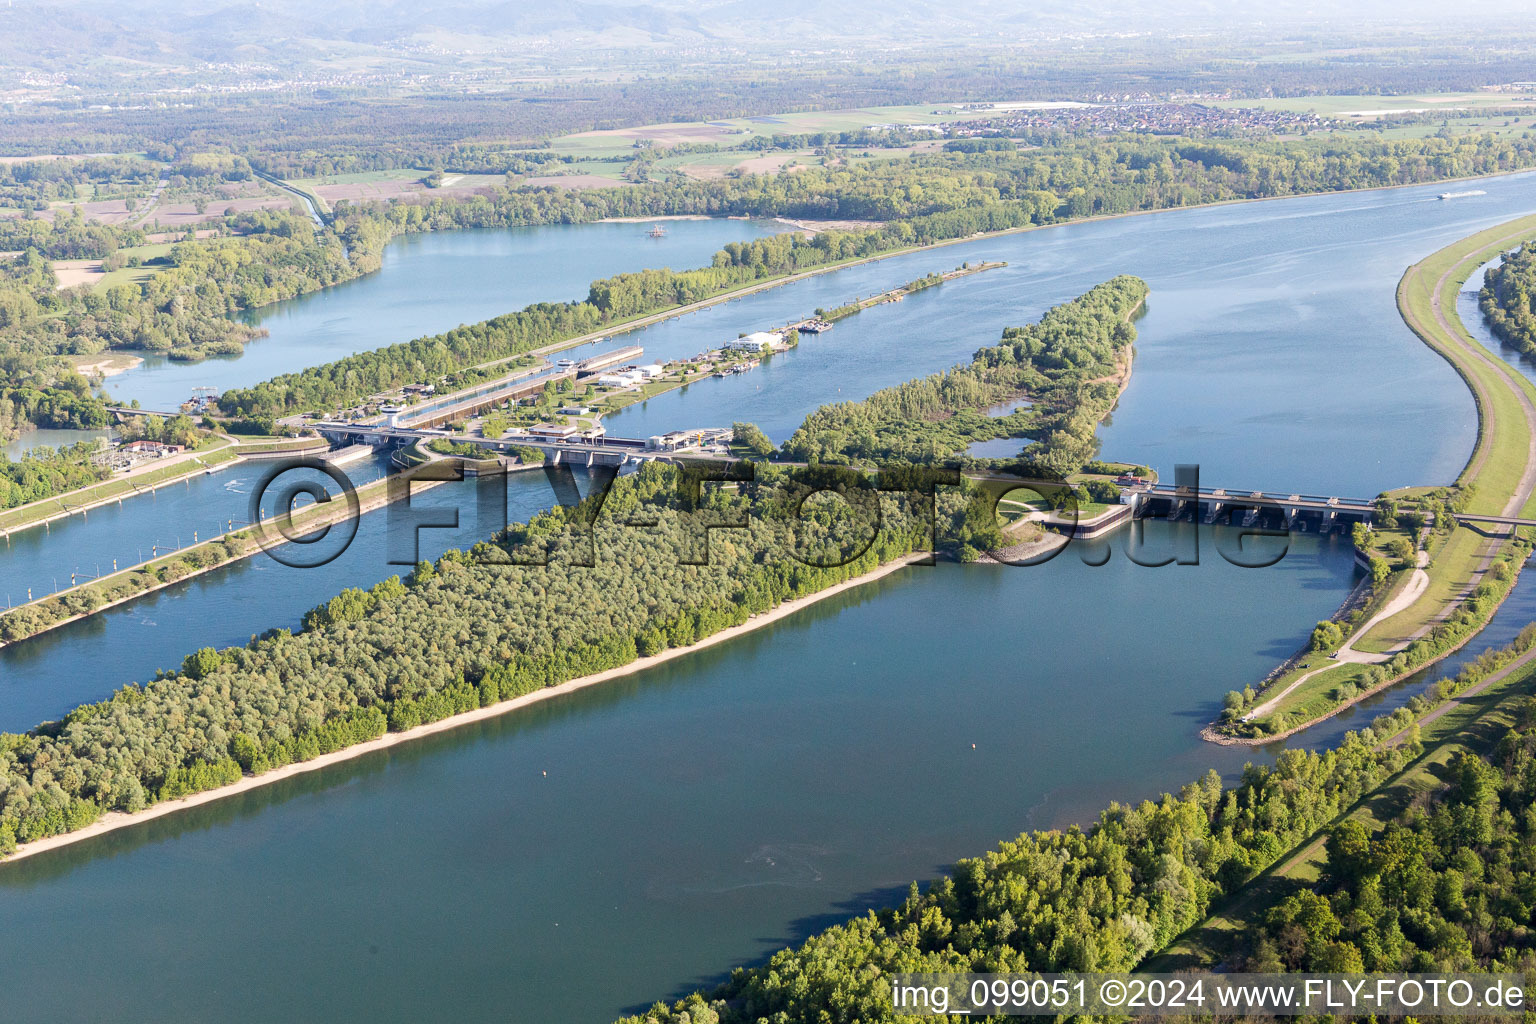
(1508, 299)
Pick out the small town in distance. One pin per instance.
(707, 512)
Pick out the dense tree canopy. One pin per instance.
(452, 637)
(1066, 365)
(1447, 887)
(1074, 900)
(1508, 299)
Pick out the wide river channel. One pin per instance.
(580, 858)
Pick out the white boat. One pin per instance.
(565, 363)
(1462, 195)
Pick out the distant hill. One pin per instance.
(49, 34)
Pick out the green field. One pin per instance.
(139, 274)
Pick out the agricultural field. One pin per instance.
(77, 272)
(391, 184)
(735, 131)
(1368, 108)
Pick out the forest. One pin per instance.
(1064, 365)
(1096, 899)
(1508, 299)
(592, 593)
(46, 471)
(1447, 886)
(184, 309)
(46, 393)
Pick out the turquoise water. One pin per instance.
(706, 812)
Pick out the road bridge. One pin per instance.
(123, 410)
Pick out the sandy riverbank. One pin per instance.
(106, 364)
(114, 820)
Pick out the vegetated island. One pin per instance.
(451, 638)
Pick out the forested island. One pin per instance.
(451, 637)
(1508, 299)
(1068, 365)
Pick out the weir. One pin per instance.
(1212, 505)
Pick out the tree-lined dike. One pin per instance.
(132, 582)
(137, 527)
(903, 574)
(1470, 570)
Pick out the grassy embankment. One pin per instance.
(1473, 722)
(46, 613)
(1497, 480)
(216, 454)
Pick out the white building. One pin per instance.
(551, 431)
(651, 370)
(757, 341)
(621, 379)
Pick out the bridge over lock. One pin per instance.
(603, 450)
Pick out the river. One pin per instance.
(431, 283)
(708, 811)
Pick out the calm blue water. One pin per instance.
(432, 283)
(141, 527)
(692, 817)
(53, 438)
(704, 813)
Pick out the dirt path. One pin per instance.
(1347, 655)
(1450, 336)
